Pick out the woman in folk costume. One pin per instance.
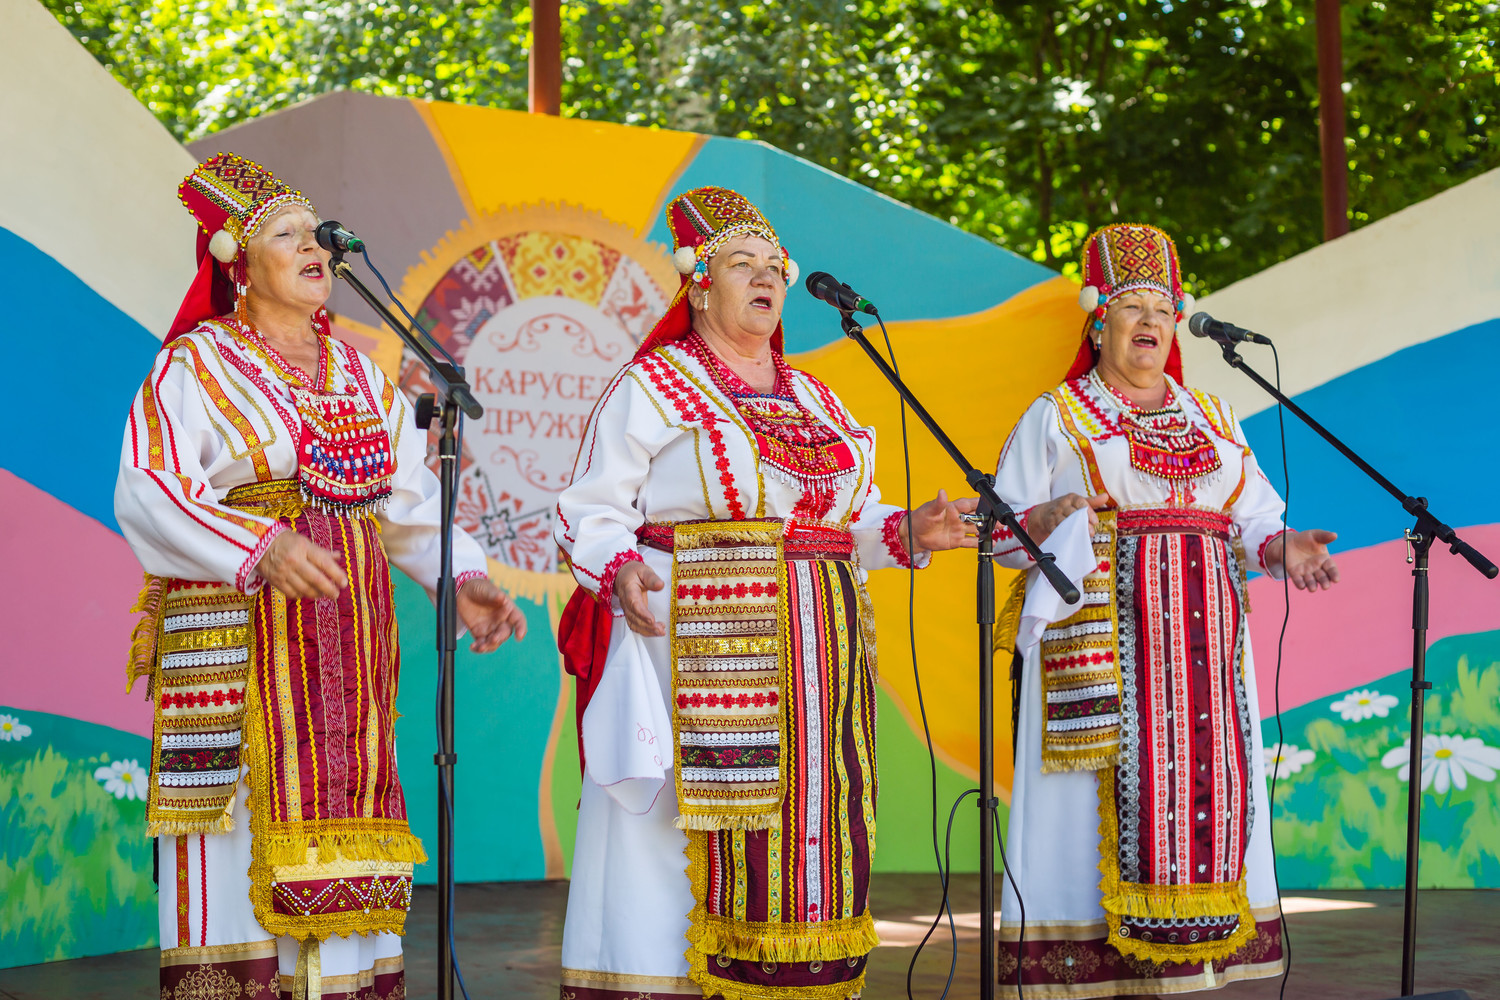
(1139, 833)
(724, 505)
(269, 476)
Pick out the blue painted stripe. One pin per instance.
(1414, 415)
(67, 440)
(910, 264)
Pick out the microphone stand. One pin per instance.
(452, 396)
(991, 509)
(1419, 540)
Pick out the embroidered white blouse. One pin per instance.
(1070, 441)
(216, 413)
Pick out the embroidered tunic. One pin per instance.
(1138, 832)
(227, 446)
(768, 502)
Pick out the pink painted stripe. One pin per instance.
(65, 600)
(1360, 630)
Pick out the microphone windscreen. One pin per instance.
(1199, 324)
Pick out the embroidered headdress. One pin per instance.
(230, 197)
(702, 221)
(1124, 258)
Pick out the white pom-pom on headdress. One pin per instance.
(1187, 304)
(223, 247)
(1088, 298)
(685, 259)
(792, 270)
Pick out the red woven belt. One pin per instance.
(804, 542)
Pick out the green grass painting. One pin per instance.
(1340, 811)
(75, 863)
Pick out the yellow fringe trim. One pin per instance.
(1008, 625)
(750, 821)
(728, 989)
(181, 826)
(831, 940)
(150, 604)
(1054, 762)
(323, 842)
(1163, 902)
(708, 935)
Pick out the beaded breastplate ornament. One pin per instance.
(344, 454)
(1163, 441)
(793, 444)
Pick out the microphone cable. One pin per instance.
(1286, 596)
(943, 857)
(911, 634)
(410, 318)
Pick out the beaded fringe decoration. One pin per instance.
(729, 662)
(1081, 671)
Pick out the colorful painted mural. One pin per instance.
(535, 248)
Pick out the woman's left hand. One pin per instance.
(490, 614)
(936, 525)
(1303, 556)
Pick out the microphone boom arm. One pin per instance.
(982, 483)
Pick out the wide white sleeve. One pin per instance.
(167, 509)
(1024, 475)
(411, 520)
(597, 516)
(1259, 509)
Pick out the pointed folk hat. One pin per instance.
(230, 197)
(1123, 258)
(702, 221)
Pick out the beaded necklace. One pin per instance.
(794, 446)
(344, 454)
(1163, 441)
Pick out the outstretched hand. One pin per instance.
(938, 525)
(299, 568)
(1303, 557)
(631, 585)
(490, 613)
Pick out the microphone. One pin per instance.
(334, 238)
(1203, 325)
(825, 286)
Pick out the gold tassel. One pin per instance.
(150, 605)
(281, 849)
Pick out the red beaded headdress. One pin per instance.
(230, 197)
(702, 221)
(1128, 258)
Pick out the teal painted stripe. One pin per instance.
(80, 361)
(910, 264)
(1416, 416)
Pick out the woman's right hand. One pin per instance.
(631, 584)
(1045, 517)
(300, 568)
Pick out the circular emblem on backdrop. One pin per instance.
(541, 306)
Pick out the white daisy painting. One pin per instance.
(1356, 706)
(12, 728)
(1283, 759)
(124, 779)
(1448, 761)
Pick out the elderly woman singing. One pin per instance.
(269, 477)
(1138, 831)
(724, 505)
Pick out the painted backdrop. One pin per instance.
(536, 250)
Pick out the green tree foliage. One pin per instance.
(1024, 122)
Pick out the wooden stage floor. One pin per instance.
(1345, 946)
